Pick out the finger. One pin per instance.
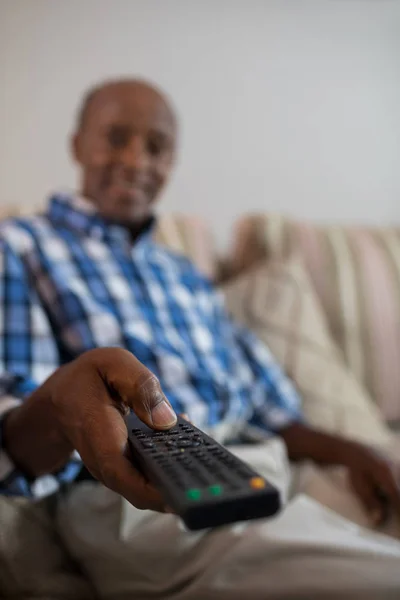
(388, 481)
(120, 476)
(104, 456)
(365, 490)
(137, 387)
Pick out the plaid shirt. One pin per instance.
(70, 282)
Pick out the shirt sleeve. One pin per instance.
(275, 402)
(28, 355)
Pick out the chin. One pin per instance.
(132, 216)
(127, 210)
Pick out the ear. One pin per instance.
(76, 147)
(173, 157)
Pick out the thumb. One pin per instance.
(130, 382)
(147, 400)
(367, 494)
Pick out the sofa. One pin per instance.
(326, 299)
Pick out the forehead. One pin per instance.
(140, 108)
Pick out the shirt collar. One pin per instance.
(79, 214)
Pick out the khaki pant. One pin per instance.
(308, 551)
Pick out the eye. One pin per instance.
(118, 136)
(157, 144)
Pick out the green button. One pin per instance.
(193, 494)
(215, 490)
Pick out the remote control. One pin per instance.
(199, 479)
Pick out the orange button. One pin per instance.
(257, 483)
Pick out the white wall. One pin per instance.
(289, 105)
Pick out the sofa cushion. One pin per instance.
(277, 301)
(356, 274)
(192, 237)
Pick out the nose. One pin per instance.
(133, 155)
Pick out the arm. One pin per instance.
(31, 438)
(83, 405)
(272, 399)
(278, 406)
(303, 442)
(80, 406)
(28, 354)
(373, 475)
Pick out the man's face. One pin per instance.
(125, 147)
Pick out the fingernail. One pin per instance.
(162, 415)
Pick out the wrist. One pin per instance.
(32, 438)
(348, 452)
(10, 429)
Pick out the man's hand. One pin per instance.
(376, 480)
(374, 477)
(81, 407)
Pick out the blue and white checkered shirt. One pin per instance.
(71, 282)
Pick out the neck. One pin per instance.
(137, 229)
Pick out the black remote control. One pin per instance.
(199, 479)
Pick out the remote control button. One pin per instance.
(185, 443)
(215, 490)
(174, 453)
(215, 454)
(170, 444)
(257, 483)
(148, 444)
(193, 494)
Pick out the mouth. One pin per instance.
(127, 184)
(133, 189)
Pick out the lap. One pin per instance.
(33, 562)
(306, 551)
